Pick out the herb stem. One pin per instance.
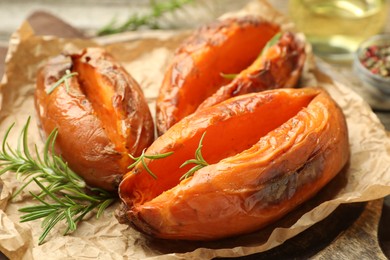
(64, 195)
(142, 157)
(199, 161)
(63, 79)
(150, 19)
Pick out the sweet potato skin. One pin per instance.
(93, 144)
(246, 191)
(227, 46)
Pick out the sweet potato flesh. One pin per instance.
(100, 93)
(195, 72)
(231, 58)
(278, 66)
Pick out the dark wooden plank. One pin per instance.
(350, 232)
(360, 241)
(384, 228)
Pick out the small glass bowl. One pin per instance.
(377, 81)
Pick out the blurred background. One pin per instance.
(90, 16)
(343, 23)
(334, 27)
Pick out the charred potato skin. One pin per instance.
(195, 71)
(82, 139)
(245, 192)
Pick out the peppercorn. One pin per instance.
(376, 58)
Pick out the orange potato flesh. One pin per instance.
(268, 152)
(195, 72)
(101, 119)
(91, 80)
(279, 66)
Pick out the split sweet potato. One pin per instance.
(101, 115)
(245, 47)
(228, 46)
(267, 152)
(278, 66)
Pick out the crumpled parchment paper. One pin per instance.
(145, 56)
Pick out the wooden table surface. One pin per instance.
(351, 232)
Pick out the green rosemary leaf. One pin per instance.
(191, 172)
(101, 192)
(228, 76)
(141, 159)
(43, 188)
(199, 161)
(36, 214)
(6, 169)
(4, 143)
(191, 161)
(69, 220)
(103, 206)
(84, 211)
(46, 154)
(198, 152)
(149, 20)
(52, 220)
(21, 188)
(71, 175)
(48, 205)
(13, 154)
(35, 208)
(38, 157)
(63, 196)
(271, 42)
(76, 194)
(158, 156)
(63, 79)
(147, 169)
(136, 161)
(26, 151)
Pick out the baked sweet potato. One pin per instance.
(101, 117)
(267, 152)
(278, 66)
(228, 46)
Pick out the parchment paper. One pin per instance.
(145, 56)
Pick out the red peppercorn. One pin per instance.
(376, 59)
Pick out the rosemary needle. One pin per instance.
(142, 157)
(271, 42)
(199, 161)
(268, 45)
(64, 195)
(228, 76)
(63, 79)
(150, 20)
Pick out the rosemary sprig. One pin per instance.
(142, 157)
(271, 42)
(63, 196)
(150, 20)
(50, 168)
(63, 79)
(199, 161)
(69, 207)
